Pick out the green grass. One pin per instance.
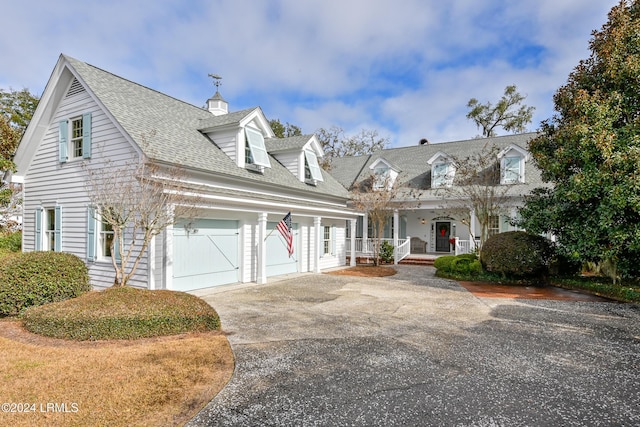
(122, 313)
(601, 286)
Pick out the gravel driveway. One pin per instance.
(416, 350)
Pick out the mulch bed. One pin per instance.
(365, 271)
(490, 290)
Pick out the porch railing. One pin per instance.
(364, 247)
(465, 246)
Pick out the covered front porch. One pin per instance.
(431, 232)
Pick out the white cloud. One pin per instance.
(404, 67)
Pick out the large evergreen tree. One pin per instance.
(590, 152)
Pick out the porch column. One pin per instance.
(396, 229)
(365, 232)
(472, 229)
(262, 248)
(352, 226)
(318, 244)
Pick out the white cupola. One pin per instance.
(216, 104)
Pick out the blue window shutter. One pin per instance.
(38, 242)
(116, 248)
(58, 229)
(91, 234)
(333, 240)
(86, 136)
(63, 146)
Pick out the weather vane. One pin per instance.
(216, 79)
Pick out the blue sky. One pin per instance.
(406, 68)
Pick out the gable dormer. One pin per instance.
(241, 135)
(443, 170)
(300, 155)
(384, 173)
(512, 159)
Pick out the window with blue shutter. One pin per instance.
(86, 136)
(57, 246)
(91, 234)
(63, 143)
(38, 235)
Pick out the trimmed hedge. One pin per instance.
(518, 254)
(464, 265)
(36, 278)
(122, 313)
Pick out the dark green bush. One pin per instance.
(11, 242)
(122, 313)
(36, 278)
(386, 251)
(517, 254)
(475, 268)
(443, 263)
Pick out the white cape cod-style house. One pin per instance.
(428, 219)
(248, 181)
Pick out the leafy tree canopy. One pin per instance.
(590, 151)
(16, 110)
(284, 130)
(507, 113)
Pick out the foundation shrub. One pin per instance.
(36, 278)
(122, 313)
(443, 263)
(517, 254)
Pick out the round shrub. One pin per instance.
(443, 263)
(11, 242)
(517, 254)
(36, 278)
(122, 313)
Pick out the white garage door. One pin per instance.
(278, 260)
(205, 256)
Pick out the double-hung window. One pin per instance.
(381, 177)
(74, 138)
(100, 238)
(48, 235)
(511, 170)
(326, 241)
(442, 174)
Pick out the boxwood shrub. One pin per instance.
(459, 265)
(36, 278)
(517, 254)
(122, 313)
(443, 263)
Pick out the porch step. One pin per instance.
(417, 261)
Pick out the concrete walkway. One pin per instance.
(416, 350)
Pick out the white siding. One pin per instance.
(292, 161)
(228, 143)
(49, 183)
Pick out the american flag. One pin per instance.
(284, 227)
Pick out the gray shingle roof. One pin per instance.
(415, 172)
(275, 145)
(167, 130)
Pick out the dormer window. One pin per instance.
(512, 170)
(381, 177)
(442, 174)
(442, 170)
(383, 173)
(512, 162)
(312, 172)
(256, 155)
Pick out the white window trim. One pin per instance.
(442, 179)
(255, 141)
(503, 165)
(311, 160)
